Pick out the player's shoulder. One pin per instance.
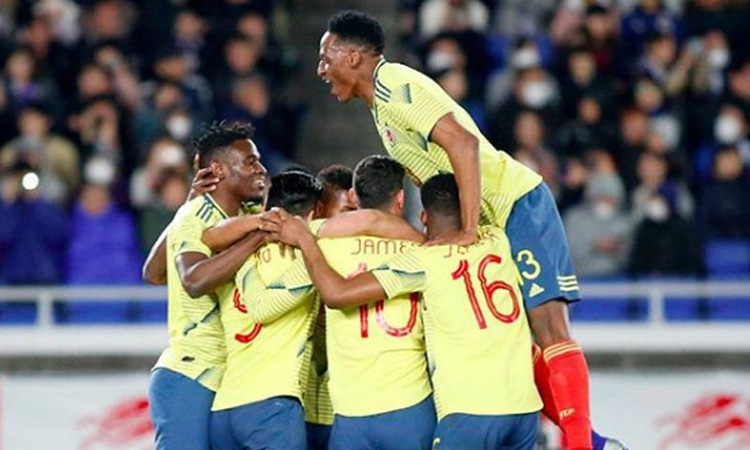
(393, 75)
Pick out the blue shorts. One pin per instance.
(540, 248)
(180, 411)
(467, 431)
(317, 436)
(274, 424)
(405, 429)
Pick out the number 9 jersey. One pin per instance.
(476, 330)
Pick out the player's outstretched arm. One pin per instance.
(155, 268)
(201, 275)
(462, 148)
(370, 222)
(335, 291)
(229, 231)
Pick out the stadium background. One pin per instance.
(635, 112)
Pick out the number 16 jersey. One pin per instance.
(476, 330)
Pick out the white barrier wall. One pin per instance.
(649, 411)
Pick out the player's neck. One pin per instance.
(365, 89)
(442, 227)
(227, 201)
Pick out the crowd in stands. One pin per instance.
(635, 112)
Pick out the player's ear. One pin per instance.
(400, 199)
(353, 199)
(319, 209)
(355, 57)
(423, 217)
(217, 169)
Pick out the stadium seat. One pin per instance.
(151, 312)
(89, 312)
(598, 309)
(727, 258)
(17, 313)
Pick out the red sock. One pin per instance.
(568, 377)
(541, 378)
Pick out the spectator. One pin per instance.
(241, 58)
(665, 243)
(103, 245)
(600, 34)
(531, 151)
(730, 128)
(739, 87)
(588, 130)
(455, 16)
(54, 158)
(166, 156)
(33, 231)
(24, 84)
(584, 80)
(725, 205)
(648, 18)
(190, 36)
(456, 84)
(653, 175)
(660, 64)
(599, 230)
(634, 128)
(171, 191)
(173, 67)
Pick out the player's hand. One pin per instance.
(203, 182)
(287, 228)
(463, 237)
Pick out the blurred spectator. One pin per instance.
(654, 175)
(54, 158)
(730, 128)
(531, 151)
(600, 36)
(739, 87)
(588, 130)
(634, 127)
(166, 156)
(98, 125)
(665, 242)
(584, 80)
(599, 230)
(241, 57)
(715, 57)
(190, 36)
(526, 55)
(174, 67)
(150, 118)
(725, 205)
(103, 245)
(650, 98)
(517, 18)
(124, 81)
(534, 90)
(660, 63)
(24, 84)
(648, 18)
(437, 16)
(108, 21)
(63, 18)
(33, 231)
(456, 84)
(572, 184)
(171, 191)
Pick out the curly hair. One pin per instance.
(218, 136)
(358, 28)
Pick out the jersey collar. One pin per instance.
(215, 205)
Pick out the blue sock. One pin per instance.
(598, 441)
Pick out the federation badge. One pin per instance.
(389, 136)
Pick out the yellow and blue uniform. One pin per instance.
(407, 105)
(478, 339)
(318, 405)
(379, 383)
(269, 350)
(189, 371)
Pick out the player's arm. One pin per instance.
(271, 302)
(155, 268)
(462, 148)
(229, 231)
(335, 291)
(370, 222)
(200, 274)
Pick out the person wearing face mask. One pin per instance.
(600, 230)
(730, 128)
(665, 243)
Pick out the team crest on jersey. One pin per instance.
(389, 136)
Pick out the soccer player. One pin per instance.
(189, 371)
(429, 133)
(259, 402)
(337, 183)
(477, 334)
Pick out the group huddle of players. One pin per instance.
(323, 320)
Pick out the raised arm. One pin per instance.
(462, 148)
(370, 222)
(155, 268)
(229, 231)
(201, 275)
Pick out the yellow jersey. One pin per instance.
(268, 351)
(318, 405)
(196, 336)
(376, 352)
(407, 105)
(477, 333)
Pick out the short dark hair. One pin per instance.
(358, 28)
(440, 196)
(218, 136)
(295, 191)
(336, 178)
(377, 179)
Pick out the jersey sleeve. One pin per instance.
(403, 274)
(269, 302)
(418, 108)
(187, 236)
(316, 225)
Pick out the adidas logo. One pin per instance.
(535, 290)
